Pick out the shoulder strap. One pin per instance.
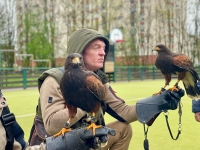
(19, 134)
(7, 122)
(12, 128)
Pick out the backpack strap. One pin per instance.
(12, 128)
(7, 120)
(19, 135)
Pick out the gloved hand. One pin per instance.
(149, 108)
(79, 139)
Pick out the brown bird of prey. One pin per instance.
(83, 89)
(180, 64)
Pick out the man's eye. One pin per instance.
(96, 47)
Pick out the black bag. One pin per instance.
(38, 132)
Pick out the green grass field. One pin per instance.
(22, 103)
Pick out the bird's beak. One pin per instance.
(155, 48)
(75, 60)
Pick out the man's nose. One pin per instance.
(102, 51)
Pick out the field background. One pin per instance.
(23, 104)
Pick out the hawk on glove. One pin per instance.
(180, 64)
(83, 89)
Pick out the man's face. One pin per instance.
(93, 55)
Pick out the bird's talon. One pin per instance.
(173, 88)
(63, 131)
(157, 93)
(162, 90)
(94, 127)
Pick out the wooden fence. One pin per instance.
(27, 77)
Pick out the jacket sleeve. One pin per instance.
(195, 106)
(54, 113)
(117, 107)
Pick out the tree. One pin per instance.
(6, 34)
(39, 35)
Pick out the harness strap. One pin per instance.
(7, 120)
(12, 128)
(19, 135)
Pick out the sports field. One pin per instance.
(22, 103)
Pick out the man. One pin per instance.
(94, 48)
(196, 107)
(12, 136)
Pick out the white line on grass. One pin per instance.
(27, 115)
(21, 95)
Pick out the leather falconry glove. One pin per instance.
(79, 139)
(149, 108)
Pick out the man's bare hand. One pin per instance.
(197, 116)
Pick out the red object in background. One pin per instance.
(120, 41)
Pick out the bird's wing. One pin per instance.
(189, 77)
(182, 61)
(95, 86)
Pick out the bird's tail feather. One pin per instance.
(194, 74)
(193, 92)
(100, 117)
(190, 84)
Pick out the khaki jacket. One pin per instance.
(55, 115)
(3, 140)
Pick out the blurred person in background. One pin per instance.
(196, 107)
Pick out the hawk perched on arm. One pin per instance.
(83, 89)
(180, 64)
